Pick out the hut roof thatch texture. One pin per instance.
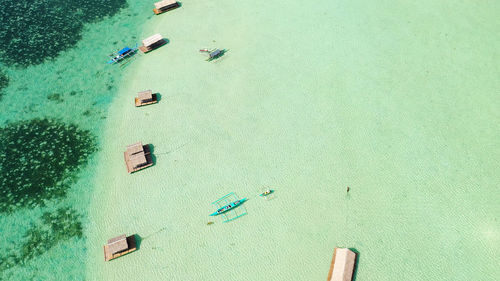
(343, 267)
(118, 244)
(138, 160)
(151, 40)
(145, 95)
(135, 148)
(164, 3)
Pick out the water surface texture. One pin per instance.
(397, 100)
(55, 89)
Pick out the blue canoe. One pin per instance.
(228, 207)
(122, 54)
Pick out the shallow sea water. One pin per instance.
(398, 101)
(57, 109)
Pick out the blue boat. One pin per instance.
(122, 54)
(228, 207)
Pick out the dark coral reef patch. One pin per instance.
(44, 234)
(4, 82)
(33, 31)
(39, 159)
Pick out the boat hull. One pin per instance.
(228, 207)
(264, 194)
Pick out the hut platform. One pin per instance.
(145, 98)
(137, 157)
(119, 246)
(342, 266)
(165, 6)
(152, 42)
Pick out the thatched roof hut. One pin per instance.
(135, 148)
(152, 42)
(119, 246)
(138, 160)
(137, 157)
(165, 5)
(145, 98)
(342, 266)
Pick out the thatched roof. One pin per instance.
(343, 267)
(138, 160)
(118, 244)
(164, 3)
(151, 40)
(135, 148)
(145, 95)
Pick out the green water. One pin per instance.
(398, 101)
(52, 109)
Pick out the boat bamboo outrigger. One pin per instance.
(230, 207)
(164, 6)
(342, 266)
(137, 157)
(145, 98)
(122, 54)
(119, 246)
(152, 42)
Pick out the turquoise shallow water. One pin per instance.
(43, 236)
(398, 101)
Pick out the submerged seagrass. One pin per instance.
(38, 160)
(44, 234)
(33, 31)
(4, 82)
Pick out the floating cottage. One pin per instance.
(342, 267)
(119, 246)
(137, 157)
(145, 98)
(164, 6)
(152, 42)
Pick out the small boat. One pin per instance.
(214, 53)
(228, 207)
(267, 192)
(122, 54)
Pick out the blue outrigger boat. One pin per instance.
(122, 54)
(228, 207)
